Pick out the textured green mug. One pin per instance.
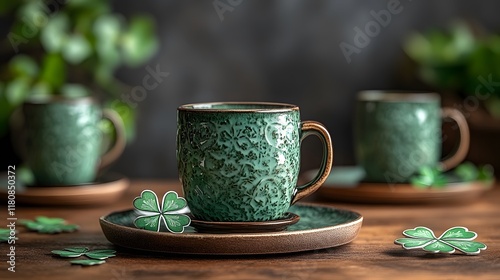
(397, 133)
(241, 161)
(63, 142)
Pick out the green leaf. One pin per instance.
(458, 233)
(439, 247)
(5, 235)
(55, 33)
(413, 243)
(49, 225)
(88, 262)
(17, 91)
(108, 28)
(429, 177)
(419, 232)
(100, 254)
(148, 201)
(467, 172)
(467, 247)
(176, 222)
(486, 173)
(151, 223)
(127, 114)
(139, 42)
(71, 252)
(53, 71)
(76, 49)
(23, 65)
(74, 90)
(49, 221)
(172, 202)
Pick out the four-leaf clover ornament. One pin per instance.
(170, 212)
(459, 238)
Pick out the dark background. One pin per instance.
(282, 51)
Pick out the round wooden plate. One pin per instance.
(383, 193)
(319, 227)
(105, 190)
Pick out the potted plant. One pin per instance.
(69, 48)
(463, 64)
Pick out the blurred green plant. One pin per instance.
(434, 177)
(70, 49)
(455, 59)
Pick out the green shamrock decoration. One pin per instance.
(87, 262)
(4, 235)
(459, 238)
(434, 177)
(169, 212)
(427, 177)
(43, 224)
(96, 257)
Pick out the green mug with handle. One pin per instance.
(240, 161)
(62, 140)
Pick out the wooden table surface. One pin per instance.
(372, 255)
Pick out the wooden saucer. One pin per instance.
(106, 189)
(345, 184)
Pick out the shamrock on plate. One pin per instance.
(459, 238)
(169, 212)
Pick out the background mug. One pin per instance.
(240, 161)
(62, 142)
(398, 133)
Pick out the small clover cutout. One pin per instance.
(429, 177)
(43, 224)
(95, 256)
(459, 238)
(5, 235)
(170, 212)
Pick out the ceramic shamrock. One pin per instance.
(459, 238)
(170, 211)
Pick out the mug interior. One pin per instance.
(397, 96)
(238, 107)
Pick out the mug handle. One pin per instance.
(455, 159)
(119, 145)
(317, 129)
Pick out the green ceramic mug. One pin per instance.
(397, 133)
(240, 161)
(62, 141)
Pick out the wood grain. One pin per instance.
(371, 256)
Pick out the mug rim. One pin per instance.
(55, 99)
(265, 107)
(397, 96)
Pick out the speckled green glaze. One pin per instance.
(63, 140)
(238, 166)
(394, 138)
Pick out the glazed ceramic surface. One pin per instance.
(397, 133)
(319, 227)
(245, 227)
(63, 140)
(240, 162)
